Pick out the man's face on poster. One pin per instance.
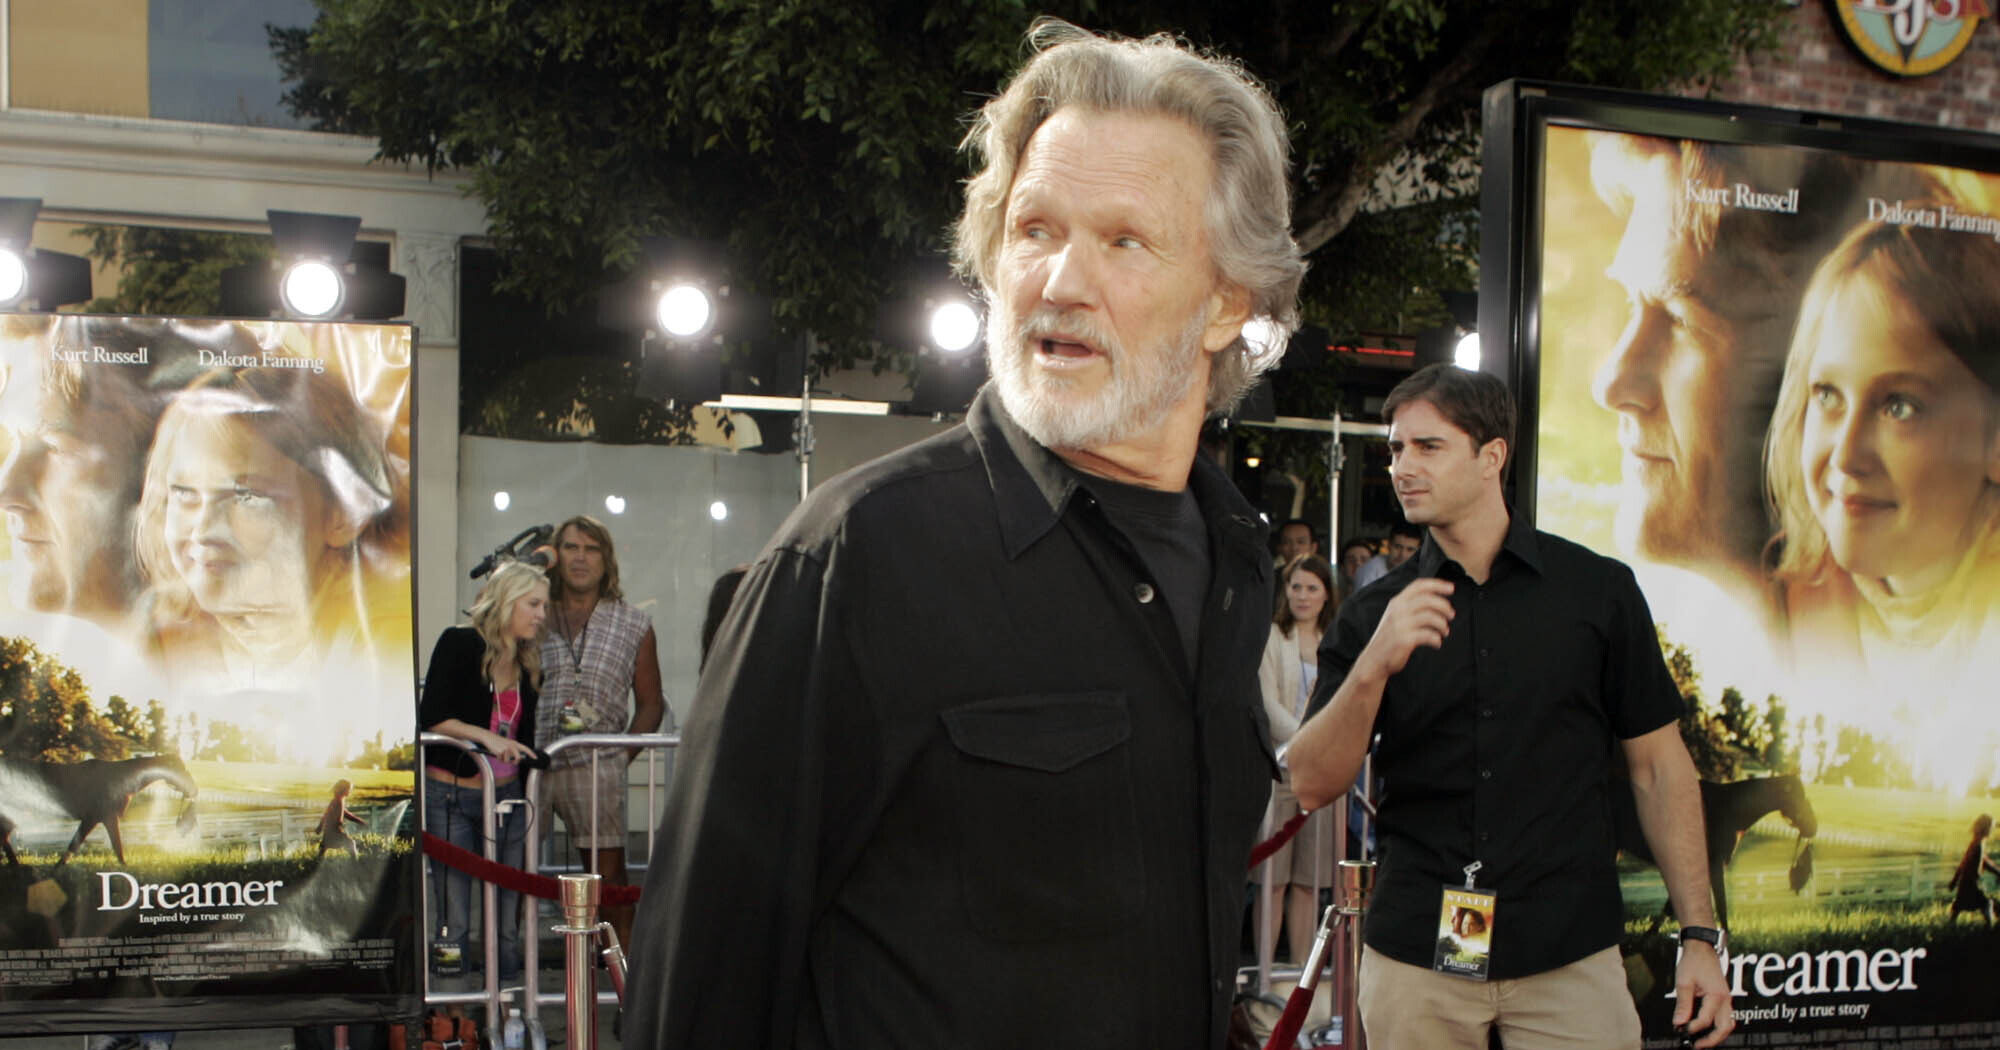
(67, 490)
(1691, 376)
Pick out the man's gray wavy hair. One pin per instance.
(1248, 211)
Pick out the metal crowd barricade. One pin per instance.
(596, 744)
(491, 994)
(1346, 934)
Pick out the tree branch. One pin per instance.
(1338, 203)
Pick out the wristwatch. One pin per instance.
(1715, 937)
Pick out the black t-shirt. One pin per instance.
(1166, 529)
(1498, 747)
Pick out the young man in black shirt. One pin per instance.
(1497, 666)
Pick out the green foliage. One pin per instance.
(817, 139)
(1727, 735)
(47, 713)
(169, 271)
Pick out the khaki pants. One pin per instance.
(1582, 1006)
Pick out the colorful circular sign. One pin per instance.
(1911, 37)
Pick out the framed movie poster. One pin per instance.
(1759, 353)
(207, 712)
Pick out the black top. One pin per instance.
(1498, 747)
(1172, 540)
(455, 687)
(947, 781)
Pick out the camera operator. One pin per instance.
(600, 652)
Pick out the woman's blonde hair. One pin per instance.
(1950, 282)
(493, 611)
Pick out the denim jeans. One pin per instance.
(452, 814)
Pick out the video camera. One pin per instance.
(527, 547)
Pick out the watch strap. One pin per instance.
(1710, 934)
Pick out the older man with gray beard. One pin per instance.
(978, 755)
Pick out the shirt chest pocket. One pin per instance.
(1048, 825)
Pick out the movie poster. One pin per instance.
(207, 711)
(1770, 381)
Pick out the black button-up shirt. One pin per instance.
(1498, 747)
(950, 781)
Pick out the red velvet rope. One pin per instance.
(548, 889)
(514, 878)
(1264, 849)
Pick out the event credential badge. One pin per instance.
(1465, 930)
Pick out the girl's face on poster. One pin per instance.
(243, 523)
(1898, 444)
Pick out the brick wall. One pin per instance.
(1815, 68)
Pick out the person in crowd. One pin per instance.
(482, 686)
(1295, 539)
(254, 528)
(1353, 555)
(1404, 541)
(978, 757)
(601, 674)
(1695, 372)
(721, 594)
(1498, 667)
(1286, 677)
(1884, 461)
(1966, 893)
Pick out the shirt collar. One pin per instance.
(1032, 485)
(1520, 542)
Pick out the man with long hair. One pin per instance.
(978, 754)
(601, 667)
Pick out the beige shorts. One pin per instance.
(572, 790)
(1582, 1006)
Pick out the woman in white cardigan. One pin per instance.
(1287, 675)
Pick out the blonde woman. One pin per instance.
(481, 687)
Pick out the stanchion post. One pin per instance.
(1357, 881)
(579, 930)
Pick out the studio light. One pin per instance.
(1264, 338)
(954, 326)
(311, 289)
(13, 278)
(502, 500)
(685, 311)
(615, 504)
(718, 511)
(314, 276)
(30, 277)
(1466, 354)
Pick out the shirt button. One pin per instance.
(1485, 836)
(1486, 774)
(1484, 653)
(1143, 592)
(1486, 712)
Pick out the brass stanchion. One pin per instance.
(1357, 881)
(580, 924)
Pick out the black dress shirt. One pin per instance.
(950, 781)
(1498, 747)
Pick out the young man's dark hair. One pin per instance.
(1407, 530)
(1474, 402)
